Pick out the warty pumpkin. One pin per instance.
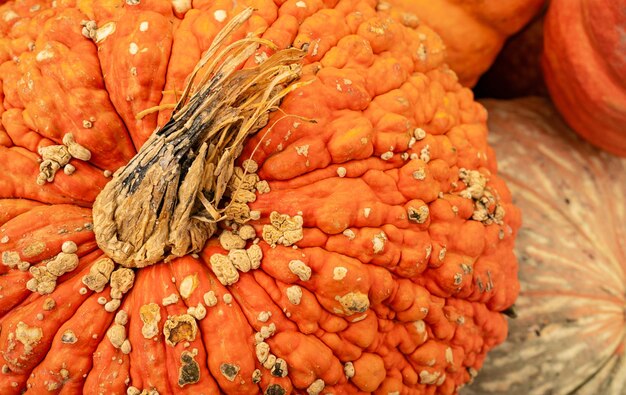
(326, 219)
(568, 336)
(584, 67)
(473, 31)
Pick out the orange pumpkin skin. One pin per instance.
(473, 31)
(570, 308)
(392, 302)
(584, 68)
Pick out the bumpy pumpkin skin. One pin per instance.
(473, 31)
(569, 334)
(392, 303)
(584, 67)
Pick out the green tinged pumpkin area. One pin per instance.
(304, 197)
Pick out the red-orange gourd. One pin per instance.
(367, 244)
(473, 31)
(568, 336)
(584, 68)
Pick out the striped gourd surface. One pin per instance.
(569, 335)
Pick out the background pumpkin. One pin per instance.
(397, 289)
(569, 333)
(584, 67)
(473, 31)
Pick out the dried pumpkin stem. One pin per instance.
(167, 201)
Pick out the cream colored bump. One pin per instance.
(339, 273)
(341, 171)
(125, 347)
(264, 316)
(302, 150)
(294, 294)
(116, 335)
(429, 378)
(181, 6)
(42, 282)
(421, 52)
(69, 247)
(170, 299)
(10, 15)
(263, 187)
(449, 356)
(268, 330)
(112, 305)
(348, 370)
(44, 55)
(133, 48)
(143, 26)
(262, 351)
(69, 169)
(419, 134)
(122, 281)
(367, 211)
(11, 258)
(353, 302)
(316, 387)
(28, 336)
(270, 361)
(198, 312)
(75, 149)
(231, 241)
(69, 337)
(247, 232)
(300, 269)
(419, 174)
(224, 269)
(250, 166)
(300, 4)
(227, 298)
(386, 155)
(99, 274)
(4, 239)
(378, 242)
(210, 299)
(425, 154)
(240, 260)
(349, 233)
(103, 32)
(283, 229)
(121, 317)
(188, 285)
(419, 214)
(255, 253)
(220, 15)
(442, 254)
(150, 315)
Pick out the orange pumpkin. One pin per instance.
(473, 31)
(352, 237)
(584, 67)
(568, 336)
